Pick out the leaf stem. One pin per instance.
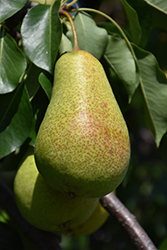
(72, 3)
(63, 2)
(67, 14)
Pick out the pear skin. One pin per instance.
(82, 146)
(44, 207)
(92, 224)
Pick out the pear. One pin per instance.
(44, 207)
(92, 224)
(82, 146)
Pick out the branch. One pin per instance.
(138, 236)
(42, 240)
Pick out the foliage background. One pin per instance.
(144, 189)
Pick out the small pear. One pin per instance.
(92, 224)
(82, 146)
(44, 207)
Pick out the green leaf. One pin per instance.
(33, 133)
(41, 32)
(120, 59)
(121, 94)
(46, 84)
(4, 217)
(143, 11)
(111, 28)
(16, 120)
(39, 104)
(9, 8)
(31, 81)
(133, 25)
(163, 245)
(159, 17)
(12, 63)
(65, 45)
(158, 4)
(90, 37)
(153, 85)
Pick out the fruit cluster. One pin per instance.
(49, 209)
(82, 151)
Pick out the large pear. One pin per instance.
(44, 207)
(82, 147)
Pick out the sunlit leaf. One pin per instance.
(41, 32)
(12, 63)
(153, 85)
(9, 8)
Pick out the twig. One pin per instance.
(138, 236)
(42, 240)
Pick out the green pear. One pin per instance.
(92, 224)
(44, 207)
(82, 146)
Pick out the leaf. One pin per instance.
(33, 132)
(39, 104)
(111, 28)
(143, 11)
(65, 45)
(153, 85)
(31, 82)
(16, 120)
(118, 88)
(46, 84)
(9, 8)
(4, 217)
(41, 32)
(163, 245)
(159, 18)
(12, 63)
(90, 37)
(133, 26)
(120, 59)
(158, 4)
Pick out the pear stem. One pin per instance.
(67, 14)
